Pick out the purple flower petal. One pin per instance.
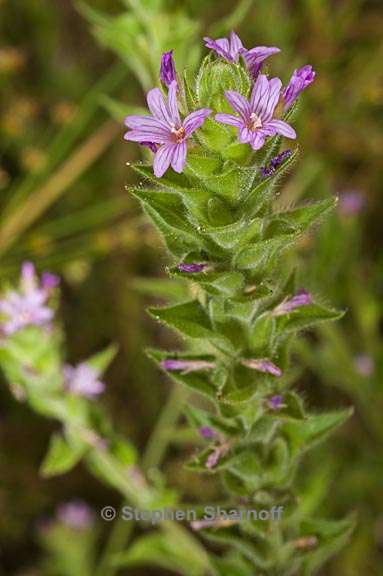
(185, 365)
(151, 145)
(207, 432)
(145, 123)
(351, 202)
(168, 69)
(221, 46)
(141, 136)
(179, 157)
(28, 272)
(239, 103)
(173, 106)
(301, 78)
(229, 119)
(83, 380)
(194, 120)
(259, 96)
(275, 86)
(213, 458)
(49, 281)
(275, 402)
(301, 298)
(262, 365)
(236, 45)
(255, 57)
(163, 159)
(192, 268)
(364, 365)
(269, 169)
(282, 128)
(158, 107)
(245, 135)
(257, 140)
(76, 515)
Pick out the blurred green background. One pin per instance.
(69, 71)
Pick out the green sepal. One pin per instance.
(188, 92)
(214, 78)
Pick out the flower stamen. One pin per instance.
(179, 134)
(255, 122)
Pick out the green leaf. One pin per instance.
(197, 381)
(332, 535)
(167, 288)
(301, 218)
(171, 180)
(260, 256)
(237, 152)
(231, 536)
(168, 214)
(189, 318)
(306, 316)
(202, 165)
(61, 456)
(262, 334)
(237, 234)
(175, 549)
(198, 418)
(214, 135)
(219, 213)
(216, 283)
(234, 565)
(303, 434)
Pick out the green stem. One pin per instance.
(152, 458)
(163, 431)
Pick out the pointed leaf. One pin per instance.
(302, 434)
(61, 457)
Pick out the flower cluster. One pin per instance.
(29, 305)
(256, 118)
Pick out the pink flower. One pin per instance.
(255, 122)
(166, 129)
(231, 50)
(28, 306)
